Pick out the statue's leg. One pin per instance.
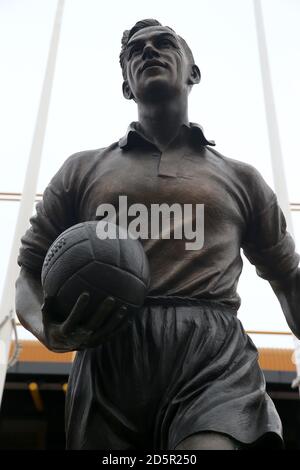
(208, 441)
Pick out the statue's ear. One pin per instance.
(127, 93)
(195, 75)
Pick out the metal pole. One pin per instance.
(274, 137)
(7, 309)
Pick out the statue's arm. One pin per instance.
(32, 315)
(36, 315)
(271, 249)
(29, 299)
(287, 291)
(55, 213)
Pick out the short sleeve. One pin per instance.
(267, 243)
(54, 214)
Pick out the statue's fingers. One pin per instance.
(77, 311)
(113, 318)
(103, 312)
(102, 334)
(47, 309)
(47, 305)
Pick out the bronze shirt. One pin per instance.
(240, 211)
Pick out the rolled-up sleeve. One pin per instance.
(54, 214)
(267, 243)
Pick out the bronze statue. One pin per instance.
(182, 374)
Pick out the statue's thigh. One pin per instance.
(208, 441)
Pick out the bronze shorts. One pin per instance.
(176, 368)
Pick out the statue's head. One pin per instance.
(156, 62)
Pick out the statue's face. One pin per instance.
(157, 64)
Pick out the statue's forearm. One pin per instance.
(288, 294)
(29, 298)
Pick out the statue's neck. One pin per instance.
(161, 122)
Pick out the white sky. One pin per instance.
(88, 110)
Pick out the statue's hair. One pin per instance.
(128, 33)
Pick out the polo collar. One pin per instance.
(134, 131)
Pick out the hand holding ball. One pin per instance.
(89, 283)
